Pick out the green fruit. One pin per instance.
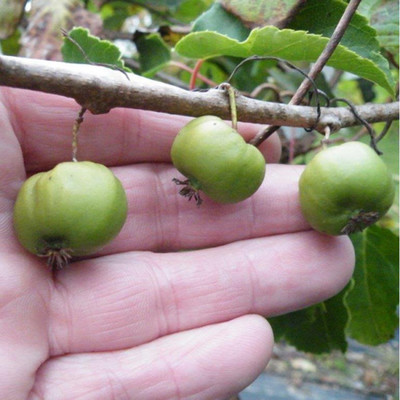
(345, 188)
(217, 161)
(72, 210)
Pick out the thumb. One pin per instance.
(12, 171)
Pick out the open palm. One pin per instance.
(143, 320)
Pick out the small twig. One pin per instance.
(392, 59)
(340, 139)
(317, 67)
(195, 73)
(337, 74)
(267, 86)
(280, 60)
(266, 132)
(363, 122)
(384, 130)
(184, 67)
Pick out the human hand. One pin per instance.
(143, 320)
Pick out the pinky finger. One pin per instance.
(208, 363)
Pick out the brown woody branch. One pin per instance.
(100, 89)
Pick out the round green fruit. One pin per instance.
(216, 160)
(345, 188)
(72, 210)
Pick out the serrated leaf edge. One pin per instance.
(387, 78)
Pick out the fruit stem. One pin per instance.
(326, 137)
(232, 102)
(360, 221)
(75, 131)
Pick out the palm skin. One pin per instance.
(143, 320)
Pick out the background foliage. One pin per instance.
(165, 39)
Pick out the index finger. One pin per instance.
(43, 124)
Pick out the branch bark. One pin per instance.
(100, 89)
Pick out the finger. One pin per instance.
(160, 219)
(43, 124)
(23, 344)
(126, 300)
(212, 362)
(11, 162)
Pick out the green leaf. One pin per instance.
(373, 298)
(317, 329)
(153, 53)
(287, 44)
(216, 19)
(96, 50)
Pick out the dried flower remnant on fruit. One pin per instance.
(188, 191)
(359, 222)
(57, 258)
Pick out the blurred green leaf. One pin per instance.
(287, 44)
(322, 16)
(153, 53)
(263, 12)
(182, 10)
(216, 19)
(162, 6)
(389, 146)
(10, 15)
(366, 7)
(384, 17)
(317, 329)
(189, 10)
(115, 13)
(11, 45)
(372, 301)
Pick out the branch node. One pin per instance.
(329, 120)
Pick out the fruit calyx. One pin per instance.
(360, 221)
(57, 258)
(189, 190)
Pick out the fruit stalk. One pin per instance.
(75, 132)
